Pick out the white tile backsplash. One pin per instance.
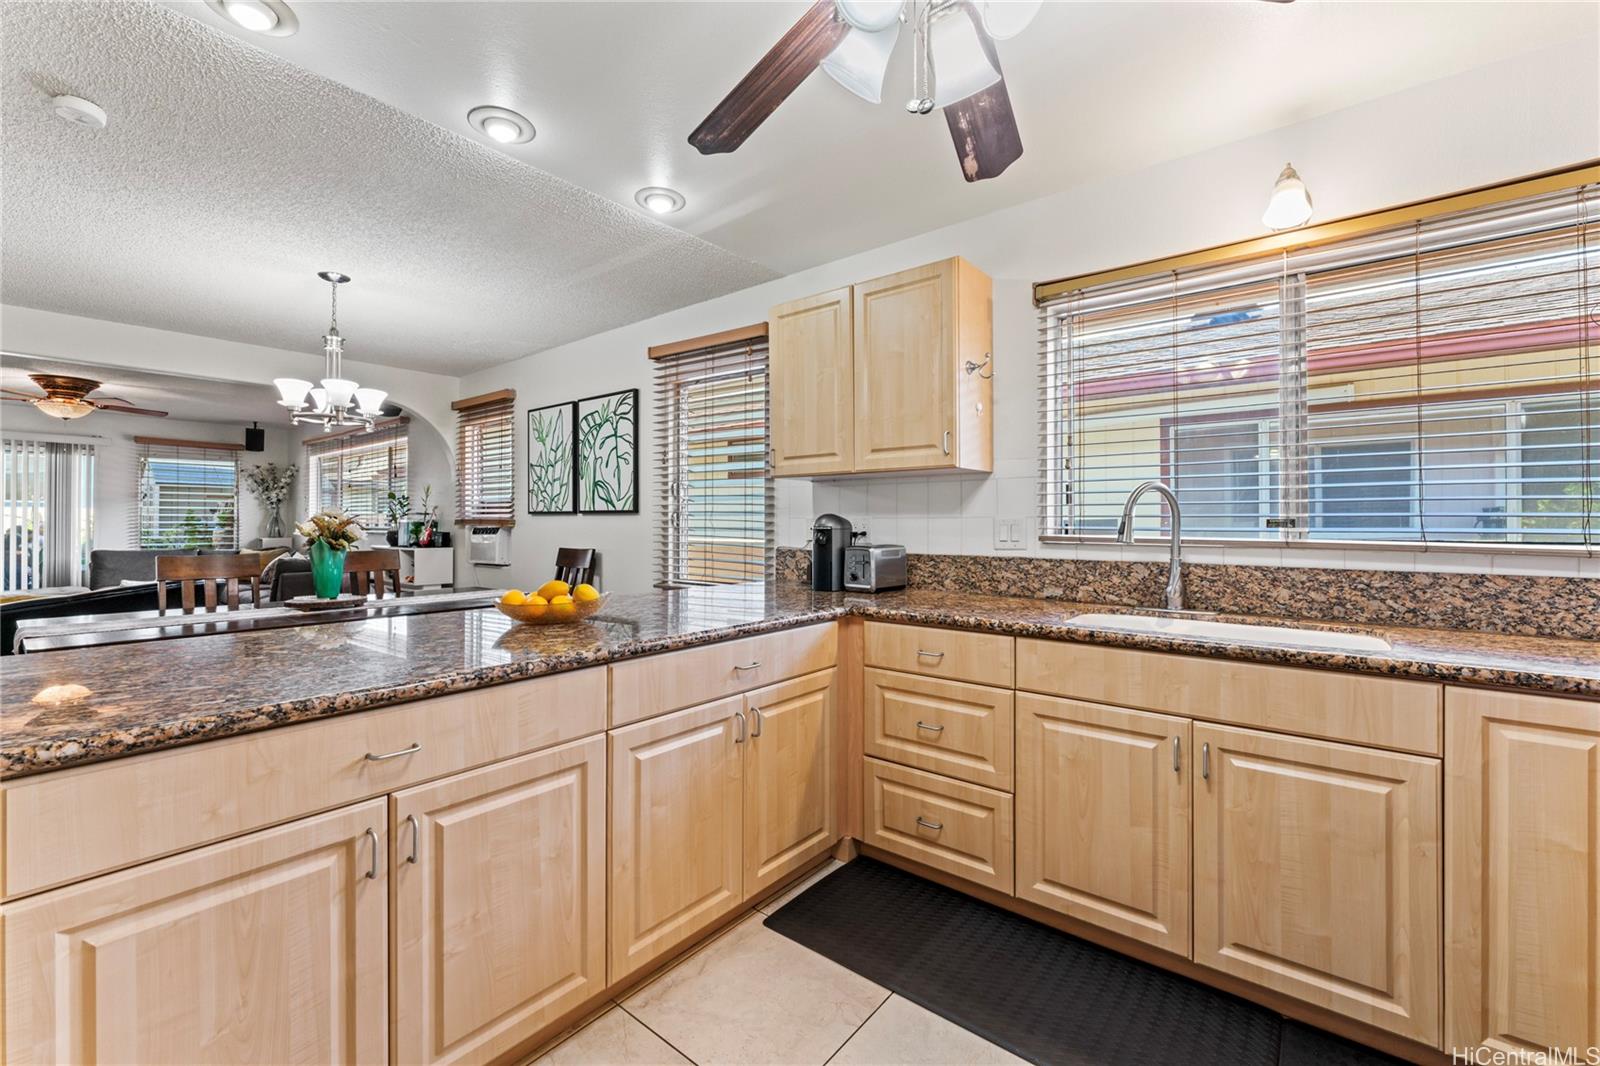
(912, 496)
(944, 536)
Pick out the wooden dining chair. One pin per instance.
(207, 571)
(575, 566)
(368, 569)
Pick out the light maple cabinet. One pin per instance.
(812, 385)
(1522, 869)
(499, 887)
(915, 352)
(791, 809)
(1103, 817)
(1317, 874)
(268, 948)
(961, 829)
(677, 829)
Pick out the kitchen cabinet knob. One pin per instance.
(930, 728)
(1205, 761)
(936, 656)
(744, 727)
(755, 722)
(416, 838)
(372, 872)
(412, 750)
(945, 442)
(935, 826)
(1177, 753)
(748, 666)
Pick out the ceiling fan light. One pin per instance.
(1290, 204)
(56, 407)
(371, 400)
(869, 16)
(961, 67)
(291, 392)
(1004, 19)
(861, 61)
(340, 391)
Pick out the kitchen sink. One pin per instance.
(1319, 639)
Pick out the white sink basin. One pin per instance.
(1320, 639)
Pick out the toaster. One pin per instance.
(874, 567)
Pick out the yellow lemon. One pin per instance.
(551, 589)
(585, 593)
(513, 598)
(537, 605)
(560, 598)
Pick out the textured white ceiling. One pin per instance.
(227, 177)
(187, 398)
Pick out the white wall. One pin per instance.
(1535, 113)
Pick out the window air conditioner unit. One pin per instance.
(489, 546)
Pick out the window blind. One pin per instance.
(188, 494)
(46, 512)
(485, 461)
(714, 475)
(1436, 382)
(355, 472)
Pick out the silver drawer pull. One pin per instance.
(372, 874)
(1205, 761)
(935, 826)
(934, 655)
(756, 722)
(412, 750)
(930, 728)
(744, 727)
(1177, 754)
(416, 835)
(748, 666)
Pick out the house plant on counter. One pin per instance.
(330, 535)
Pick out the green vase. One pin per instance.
(327, 570)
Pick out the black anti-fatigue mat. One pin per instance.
(1040, 993)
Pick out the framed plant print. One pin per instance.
(608, 453)
(552, 452)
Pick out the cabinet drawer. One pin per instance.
(949, 825)
(63, 826)
(948, 727)
(982, 658)
(1381, 712)
(656, 684)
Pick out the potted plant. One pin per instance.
(330, 535)
(270, 483)
(397, 509)
(423, 531)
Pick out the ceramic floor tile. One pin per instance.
(904, 1034)
(794, 890)
(753, 996)
(614, 1039)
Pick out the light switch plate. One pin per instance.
(1010, 534)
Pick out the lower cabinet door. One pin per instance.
(677, 829)
(268, 948)
(1522, 914)
(499, 902)
(1317, 874)
(789, 803)
(1103, 817)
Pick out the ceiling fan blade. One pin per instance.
(983, 125)
(769, 83)
(14, 394)
(117, 401)
(125, 410)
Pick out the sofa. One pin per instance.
(112, 567)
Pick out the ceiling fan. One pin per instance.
(67, 398)
(954, 67)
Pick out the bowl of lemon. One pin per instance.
(552, 603)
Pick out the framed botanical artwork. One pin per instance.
(552, 451)
(608, 453)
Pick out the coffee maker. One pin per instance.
(830, 536)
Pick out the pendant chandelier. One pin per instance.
(339, 401)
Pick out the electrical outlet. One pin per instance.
(1010, 534)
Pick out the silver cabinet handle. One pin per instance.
(945, 442)
(935, 826)
(1205, 761)
(930, 728)
(416, 838)
(748, 666)
(934, 655)
(756, 722)
(372, 873)
(744, 727)
(412, 750)
(1177, 753)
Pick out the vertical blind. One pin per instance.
(1436, 382)
(188, 494)
(714, 480)
(355, 472)
(485, 461)
(46, 512)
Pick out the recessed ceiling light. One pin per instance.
(79, 112)
(501, 124)
(271, 17)
(659, 200)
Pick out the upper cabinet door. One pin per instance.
(810, 372)
(272, 947)
(905, 370)
(1522, 861)
(499, 881)
(789, 812)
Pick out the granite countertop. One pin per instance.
(69, 708)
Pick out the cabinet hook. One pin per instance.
(974, 368)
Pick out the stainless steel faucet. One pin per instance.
(1175, 567)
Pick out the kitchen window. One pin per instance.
(714, 479)
(188, 494)
(485, 460)
(354, 472)
(1436, 382)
